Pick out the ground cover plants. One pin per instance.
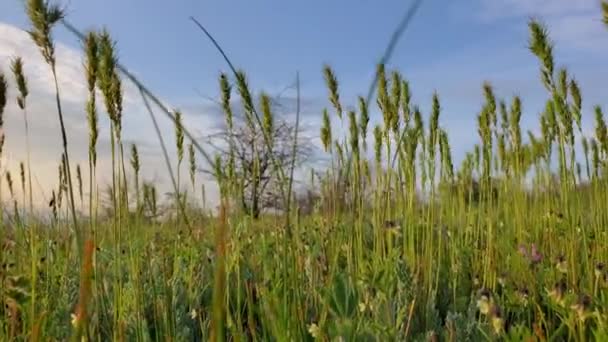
(401, 245)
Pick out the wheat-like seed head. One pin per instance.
(595, 152)
(179, 136)
(108, 79)
(3, 97)
(17, 68)
(354, 132)
(504, 118)
(605, 12)
(577, 103)
(514, 123)
(22, 175)
(364, 120)
(192, 160)
(446, 153)
(93, 129)
(267, 120)
(92, 59)
(326, 136)
(91, 69)
(378, 137)
(542, 47)
(53, 204)
(434, 125)
(135, 159)
(332, 85)
(406, 98)
(601, 131)
(246, 98)
(43, 16)
(9, 181)
(226, 89)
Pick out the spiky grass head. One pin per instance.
(43, 16)
(363, 119)
(267, 118)
(192, 162)
(542, 47)
(354, 132)
(135, 159)
(326, 136)
(246, 98)
(17, 68)
(378, 137)
(332, 85)
(179, 136)
(108, 79)
(226, 89)
(9, 182)
(3, 97)
(91, 47)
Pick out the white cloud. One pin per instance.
(573, 24)
(45, 138)
(544, 8)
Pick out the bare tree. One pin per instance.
(254, 154)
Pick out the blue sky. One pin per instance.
(451, 47)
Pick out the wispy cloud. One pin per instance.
(573, 23)
(509, 8)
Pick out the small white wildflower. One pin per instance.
(314, 330)
(74, 319)
(193, 314)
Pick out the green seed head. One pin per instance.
(22, 176)
(601, 131)
(405, 102)
(246, 98)
(577, 103)
(179, 136)
(17, 68)
(267, 116)
(3, 96)
(354, 132)
(326, 137)
(192, 160)
(43, 16)
(378, 137)
(332, 85)
(364, 120)
(92, 59)
(135, 159)
(542, 48)
(9, 181)
(226, 89)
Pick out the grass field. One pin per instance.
(401, 245)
